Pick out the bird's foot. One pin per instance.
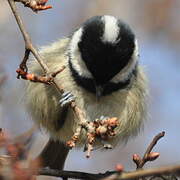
(66, 98)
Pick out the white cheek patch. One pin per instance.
(76, 60)
(75, 40)
(123, 75)
(111, 29)
(136, 50)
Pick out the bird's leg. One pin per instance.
(66, 98)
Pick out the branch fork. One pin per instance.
(47, 79)
(148, 155)
(102, 129)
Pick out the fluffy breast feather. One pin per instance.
(129, 105)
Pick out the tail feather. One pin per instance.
(54, 155)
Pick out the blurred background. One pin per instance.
(157, 26)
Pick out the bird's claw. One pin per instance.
(66, 98)
(107, 146)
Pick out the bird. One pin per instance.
(102, 75)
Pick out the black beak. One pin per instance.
(99, 91)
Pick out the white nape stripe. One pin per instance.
(76, 60)
(111, 29)
(123, 75)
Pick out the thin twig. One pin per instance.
(150, 147)
(148, 155)
(102, 128)
(30, 48)
(153, 143)
(49, 79)
(36, 78)
(80, 114)
(150, 172)
(24, 61)
(35, 5)
(113, 174)
(28, 43)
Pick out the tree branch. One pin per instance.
(112, 175)
(169, 170)
(30, 48)
(109, 125)
(148, 155)
(150, 147)
(28, 43)
(35, 5)
(74, 174)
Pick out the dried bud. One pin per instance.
(101, 130)
(70, 144)
(75, 137)
(33, 4)
(21, 72)
(119, 167)
(113, 122)
(30, 76)
(152, 156)
(137, 159)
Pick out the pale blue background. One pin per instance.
(159, 55)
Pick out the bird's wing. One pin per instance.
(43, 103)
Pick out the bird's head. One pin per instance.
(104, 50)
